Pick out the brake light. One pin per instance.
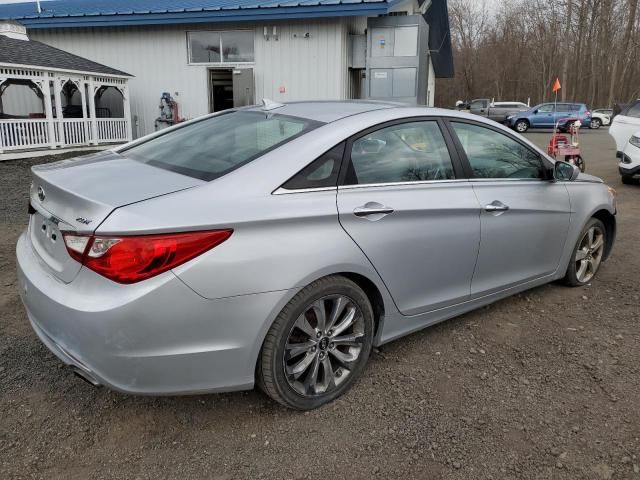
(131, 259)
(587, 113)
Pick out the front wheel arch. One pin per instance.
(609, 221)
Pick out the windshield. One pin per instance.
(210, 148)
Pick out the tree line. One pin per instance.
(516, 49)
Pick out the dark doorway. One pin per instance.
(220, 90)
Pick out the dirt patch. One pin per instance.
(542, 385)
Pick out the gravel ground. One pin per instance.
(543, 385)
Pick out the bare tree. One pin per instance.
(515, 51)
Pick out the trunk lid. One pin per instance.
(77, 195)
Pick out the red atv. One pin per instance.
(567, 149)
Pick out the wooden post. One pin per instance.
(92, 112)
(83, 98)
(59, 115)
(127, 111)
(2, 80)
(48, 111)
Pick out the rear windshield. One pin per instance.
(212, 147)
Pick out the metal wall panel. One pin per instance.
(301, 60)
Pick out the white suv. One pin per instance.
(625, 130)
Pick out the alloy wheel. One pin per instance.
(324, 346)
(589, 254)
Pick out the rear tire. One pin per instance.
(521, 126)
(587, 255)
(318, 345)
(595, 123)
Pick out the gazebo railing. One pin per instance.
(31, 133)
(77, 131)
(112, 129)
(21, 134)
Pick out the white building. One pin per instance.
(215, 54)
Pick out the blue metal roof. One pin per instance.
(91, 13)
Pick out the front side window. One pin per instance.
(407, 152)
(212, 147)
(221, 47)
(494, 155)
(548, 108)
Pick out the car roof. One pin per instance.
(326, 111)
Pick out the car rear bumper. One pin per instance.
(156, 337)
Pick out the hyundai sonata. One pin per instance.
(276, 245)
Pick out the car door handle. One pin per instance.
(496, 206)
(368, 209)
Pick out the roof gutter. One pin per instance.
(242, 15)
(65, 70)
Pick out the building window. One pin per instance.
(221, 47)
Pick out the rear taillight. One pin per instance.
(130, 259)
(587, 113)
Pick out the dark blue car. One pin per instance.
(546, 115)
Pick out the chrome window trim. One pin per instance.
(505, 179)
(402, 184)
(284, 191)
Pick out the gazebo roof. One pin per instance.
(36, 54)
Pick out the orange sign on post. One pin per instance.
(556, 85)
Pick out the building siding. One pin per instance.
(307, 68)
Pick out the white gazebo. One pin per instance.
(69, 92)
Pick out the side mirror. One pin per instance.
(372, 145)
(565, 172)
(535, 111)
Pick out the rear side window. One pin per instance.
(408, 152)
(478, 104)
(212, 147)
(320, 173)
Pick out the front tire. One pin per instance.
(628, 180)
(595, 123)
(318, 345)
(587, 254)
(522, 126)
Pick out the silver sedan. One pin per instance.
(277, 245)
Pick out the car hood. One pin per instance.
(585, 177)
